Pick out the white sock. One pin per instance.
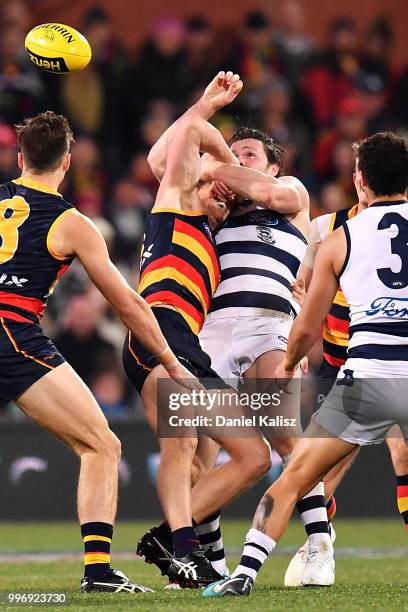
(256, 550)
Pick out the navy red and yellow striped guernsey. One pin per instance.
(337, 323)
(179, 264)
(29, 268)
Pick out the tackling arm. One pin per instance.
(307, 326)
(286, 195)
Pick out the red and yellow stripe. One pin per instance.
(193, 240)
(191, 315)
(402, 498)
(174, 268)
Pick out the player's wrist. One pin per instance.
(167, 358)
(288, 367)
(205, 109)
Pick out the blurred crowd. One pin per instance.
(316, 100)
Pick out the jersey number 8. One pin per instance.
(13, 213)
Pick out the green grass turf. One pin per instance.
(361, 584)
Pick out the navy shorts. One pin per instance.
(138, 362)
(26, 354)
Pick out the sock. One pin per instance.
(402, 498)
(312, 511)
(256, 550)
(97, 538)
(185, 541)
(210, 537)
(163, 532)
(331, 508)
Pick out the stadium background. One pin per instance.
(317, 76)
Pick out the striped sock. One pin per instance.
(97, 538)
(312, 511)
(331, 508)
(402, 498)
(210, 537)
(256, 550)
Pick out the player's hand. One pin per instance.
(299, 291)
(185, 378)
(304, 365)
(219, 191)
(283, 375)
(208, 167)
(222, 90)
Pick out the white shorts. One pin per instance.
(234, 343)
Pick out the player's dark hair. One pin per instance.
(44, 140)
(383, 162)
(274, 151)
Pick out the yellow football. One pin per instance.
(57, 48)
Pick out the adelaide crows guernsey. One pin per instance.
(260, 253)
(29, 269)
(336, 325)
(179, 264)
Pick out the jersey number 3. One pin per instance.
(13, 213)
(399, 246)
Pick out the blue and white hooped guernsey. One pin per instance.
(374, 280)
(260, 253)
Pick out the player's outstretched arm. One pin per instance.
(222, 90)
(77, 235)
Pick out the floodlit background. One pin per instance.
(317, 74)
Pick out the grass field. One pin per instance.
(372, 572)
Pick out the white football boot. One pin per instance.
(297, 565)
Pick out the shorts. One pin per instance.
(234, 343)
(26, 355)
(138, 362)
(325, 381)
(361, 409)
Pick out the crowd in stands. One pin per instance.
(316, 100)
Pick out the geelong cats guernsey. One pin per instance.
(375, 284)
(260, 253)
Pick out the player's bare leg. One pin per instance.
(312, 509)
(76, 418)
(263, 370)
(174, 476)
(311, 459)
(336, 474)
(62, 403)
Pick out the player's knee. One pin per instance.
(110, 445)
(260, 460)
(178, 449)
(400, 460)
(283, 446)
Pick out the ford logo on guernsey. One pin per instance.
(390, 307)
(262, 218)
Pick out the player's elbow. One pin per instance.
(285, 199)
(131, 308)
(156, 166)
